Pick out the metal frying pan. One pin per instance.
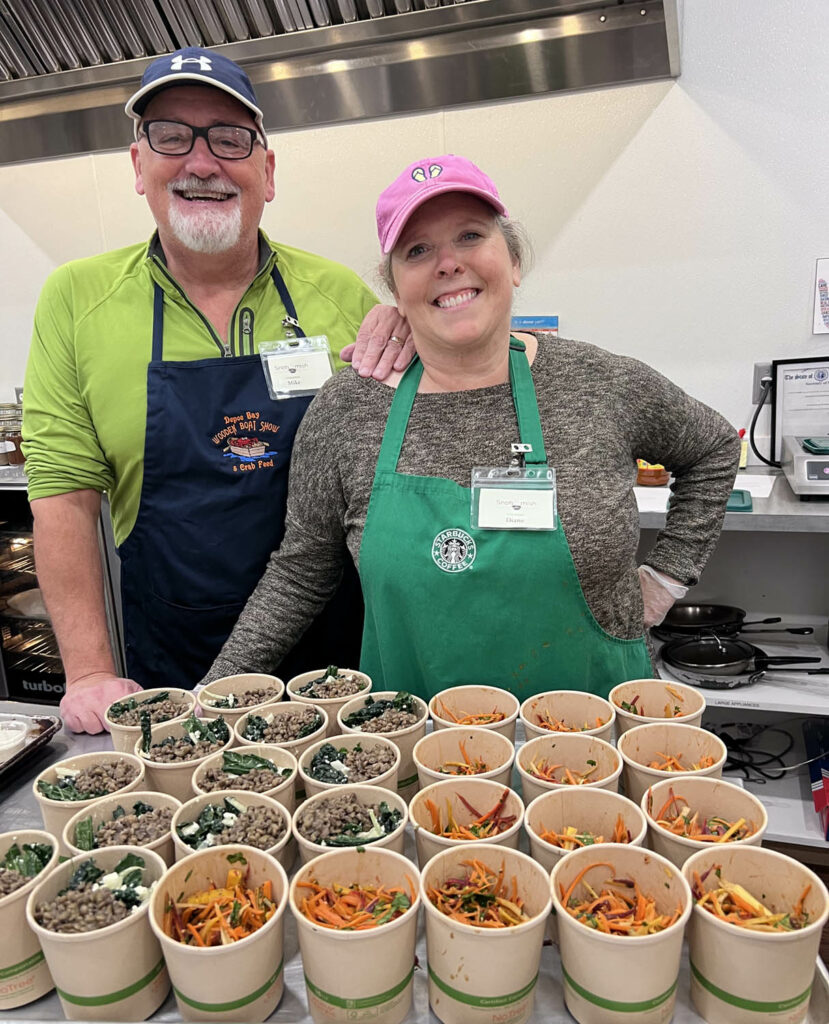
(712, 681)
(685, 619)
(718, 657)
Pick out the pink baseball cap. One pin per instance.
(422, 181)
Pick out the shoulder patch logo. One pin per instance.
(453, 550)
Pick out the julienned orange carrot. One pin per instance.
(673, 763)
(547, 721)
(481, 827)
(354, 907)
(619, 908)
(673, 709)
(544, 769)
(571, 838)
(219, 916)
(482, 718)
(466, 766)
(735, 905)
(675, 816)
(480, 898)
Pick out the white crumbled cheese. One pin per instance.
(112, 880)
(194, 736)
(228, 818)
(269, 719)
(329, 678)
(67, 773)
(340, 767)
(191, 829)
(209, 840)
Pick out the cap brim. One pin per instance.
(398, 222)
(145, 93)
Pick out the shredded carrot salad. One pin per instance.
(732, 903)
(480, 898)
(673, 708)
(481, 718)
(676, 816)
(466, 766)
(218, 917)
(673, 763)
(571, 838)
(618, 908)
(544, 769)
(481, 827)
(547, 721)
(354, 907)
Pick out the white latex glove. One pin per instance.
(659, 592)
(384, 343)
(88, 697)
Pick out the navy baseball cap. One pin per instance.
(202, 67)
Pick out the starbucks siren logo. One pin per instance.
(453, 550)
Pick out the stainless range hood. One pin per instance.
(68, 66)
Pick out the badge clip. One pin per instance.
(519, 454)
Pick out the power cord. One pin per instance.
(765, 384)
(755, 764)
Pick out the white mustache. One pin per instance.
(193, 183)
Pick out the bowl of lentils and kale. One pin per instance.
(288, 724)
(142, 818)
(233, 696)
(255, 768)
(172, 751)
(328, 688)
(348, 759)
(398, 715)
(24, 856)
(90, 916)
(75, 783)
(350, 816)
(234, 816)
(123, 717)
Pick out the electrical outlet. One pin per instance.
(760, 370)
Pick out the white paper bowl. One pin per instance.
(239, 684)
(124, 736)
(458, 701)
(572, 750)
(366, 740)
(365, 795)
(244, 980)
(643, 744)
(331, 704)
(443, 745)
(707, 796)
(101, 811)
(654, 695)
(174, 777)
(283, 850)
(56, 813)
(584, 713)
(284, 793)
(403, 739)
(482, 794)
(113, 973)
(24, 975)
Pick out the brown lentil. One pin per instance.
(135, 829)
(287, 726)
(261, 827)
(163, 711)
(343, 684)
(390, 721)
(246, 699)
(101, 779)
(10, 881)
(259, 780)
(183, 749)
(81, 910)
(327, 818)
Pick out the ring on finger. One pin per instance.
(395, 338)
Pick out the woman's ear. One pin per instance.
(516, 274)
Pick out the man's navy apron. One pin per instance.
(212, 509)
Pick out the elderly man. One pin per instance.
(144, 381)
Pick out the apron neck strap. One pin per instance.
(291, 319)
(523, 396)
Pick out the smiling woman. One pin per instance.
(478, 566)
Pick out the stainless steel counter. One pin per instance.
(18, 809)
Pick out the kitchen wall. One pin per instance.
(674, 221)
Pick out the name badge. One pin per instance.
(512, 498)
(296, 366)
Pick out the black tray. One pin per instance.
(40, 730)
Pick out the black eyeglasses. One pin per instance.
(226, 141)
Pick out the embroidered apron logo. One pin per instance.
(453, 550)
(245, 449)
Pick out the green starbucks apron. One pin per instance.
(448, 604)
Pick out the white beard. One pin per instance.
(208, 227)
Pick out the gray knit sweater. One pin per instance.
(599, 412)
